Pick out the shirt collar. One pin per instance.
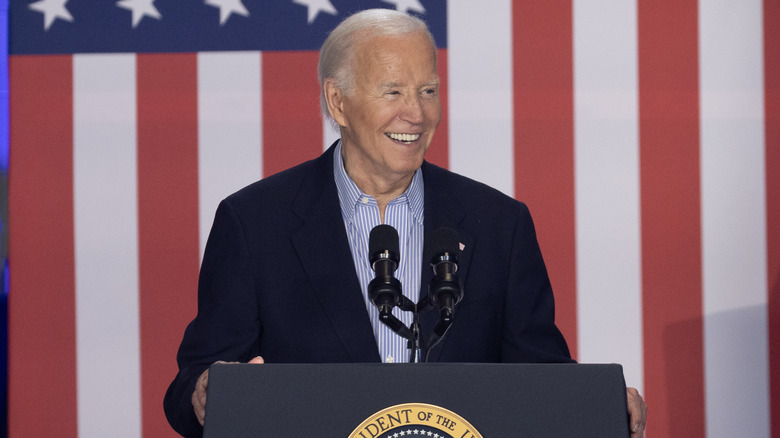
(350, 195)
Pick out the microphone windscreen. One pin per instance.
(445, 240)
(383, 238)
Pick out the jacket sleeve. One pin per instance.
(227, 325)
(530, 333)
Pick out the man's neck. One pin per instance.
(379, 187)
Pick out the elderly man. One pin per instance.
(286, 268)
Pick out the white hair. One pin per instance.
(338, 51)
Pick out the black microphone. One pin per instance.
(384, 290)
(444, 288)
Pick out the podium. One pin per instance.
(403, 400)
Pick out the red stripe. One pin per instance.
(671, 229)
(292, 123)
(42, 308)
(544, 141)
(438, 153)
(772, 102)
(167, 222)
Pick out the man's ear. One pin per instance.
(334, 98)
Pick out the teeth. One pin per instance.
(404, 137)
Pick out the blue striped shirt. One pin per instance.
(405, 214)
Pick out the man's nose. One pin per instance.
(412, 110)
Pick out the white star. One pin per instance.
(227, 7)
(317, 6)
(52, 10)
(140, 8)
(407, 5)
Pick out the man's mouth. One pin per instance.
(403, 138)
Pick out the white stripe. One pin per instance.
(106, 246)
(734, 218)
(606, 116)
(229, 128)
(479, 53)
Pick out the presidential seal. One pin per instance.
(415, 419)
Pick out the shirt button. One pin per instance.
(389, 359)
(364, 200)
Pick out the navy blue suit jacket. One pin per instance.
(278, 280)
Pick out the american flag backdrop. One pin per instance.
(644, 135)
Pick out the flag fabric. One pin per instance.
(643, 135)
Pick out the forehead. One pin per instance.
(396, 55)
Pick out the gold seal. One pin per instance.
(415, 419)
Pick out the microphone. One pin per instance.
(384, 290)
(444, 288)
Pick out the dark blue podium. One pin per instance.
(403, 400)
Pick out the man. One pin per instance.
(285, 271)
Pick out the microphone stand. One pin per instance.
(439, 330)
(412, 333)
(394, 323)
(413, 340)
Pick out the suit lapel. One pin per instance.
(322, 246)
(442, 209)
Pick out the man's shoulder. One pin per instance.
(285, 185)
(465, 189)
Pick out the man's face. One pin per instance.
(392, 112)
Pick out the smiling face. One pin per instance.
(389, 116)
